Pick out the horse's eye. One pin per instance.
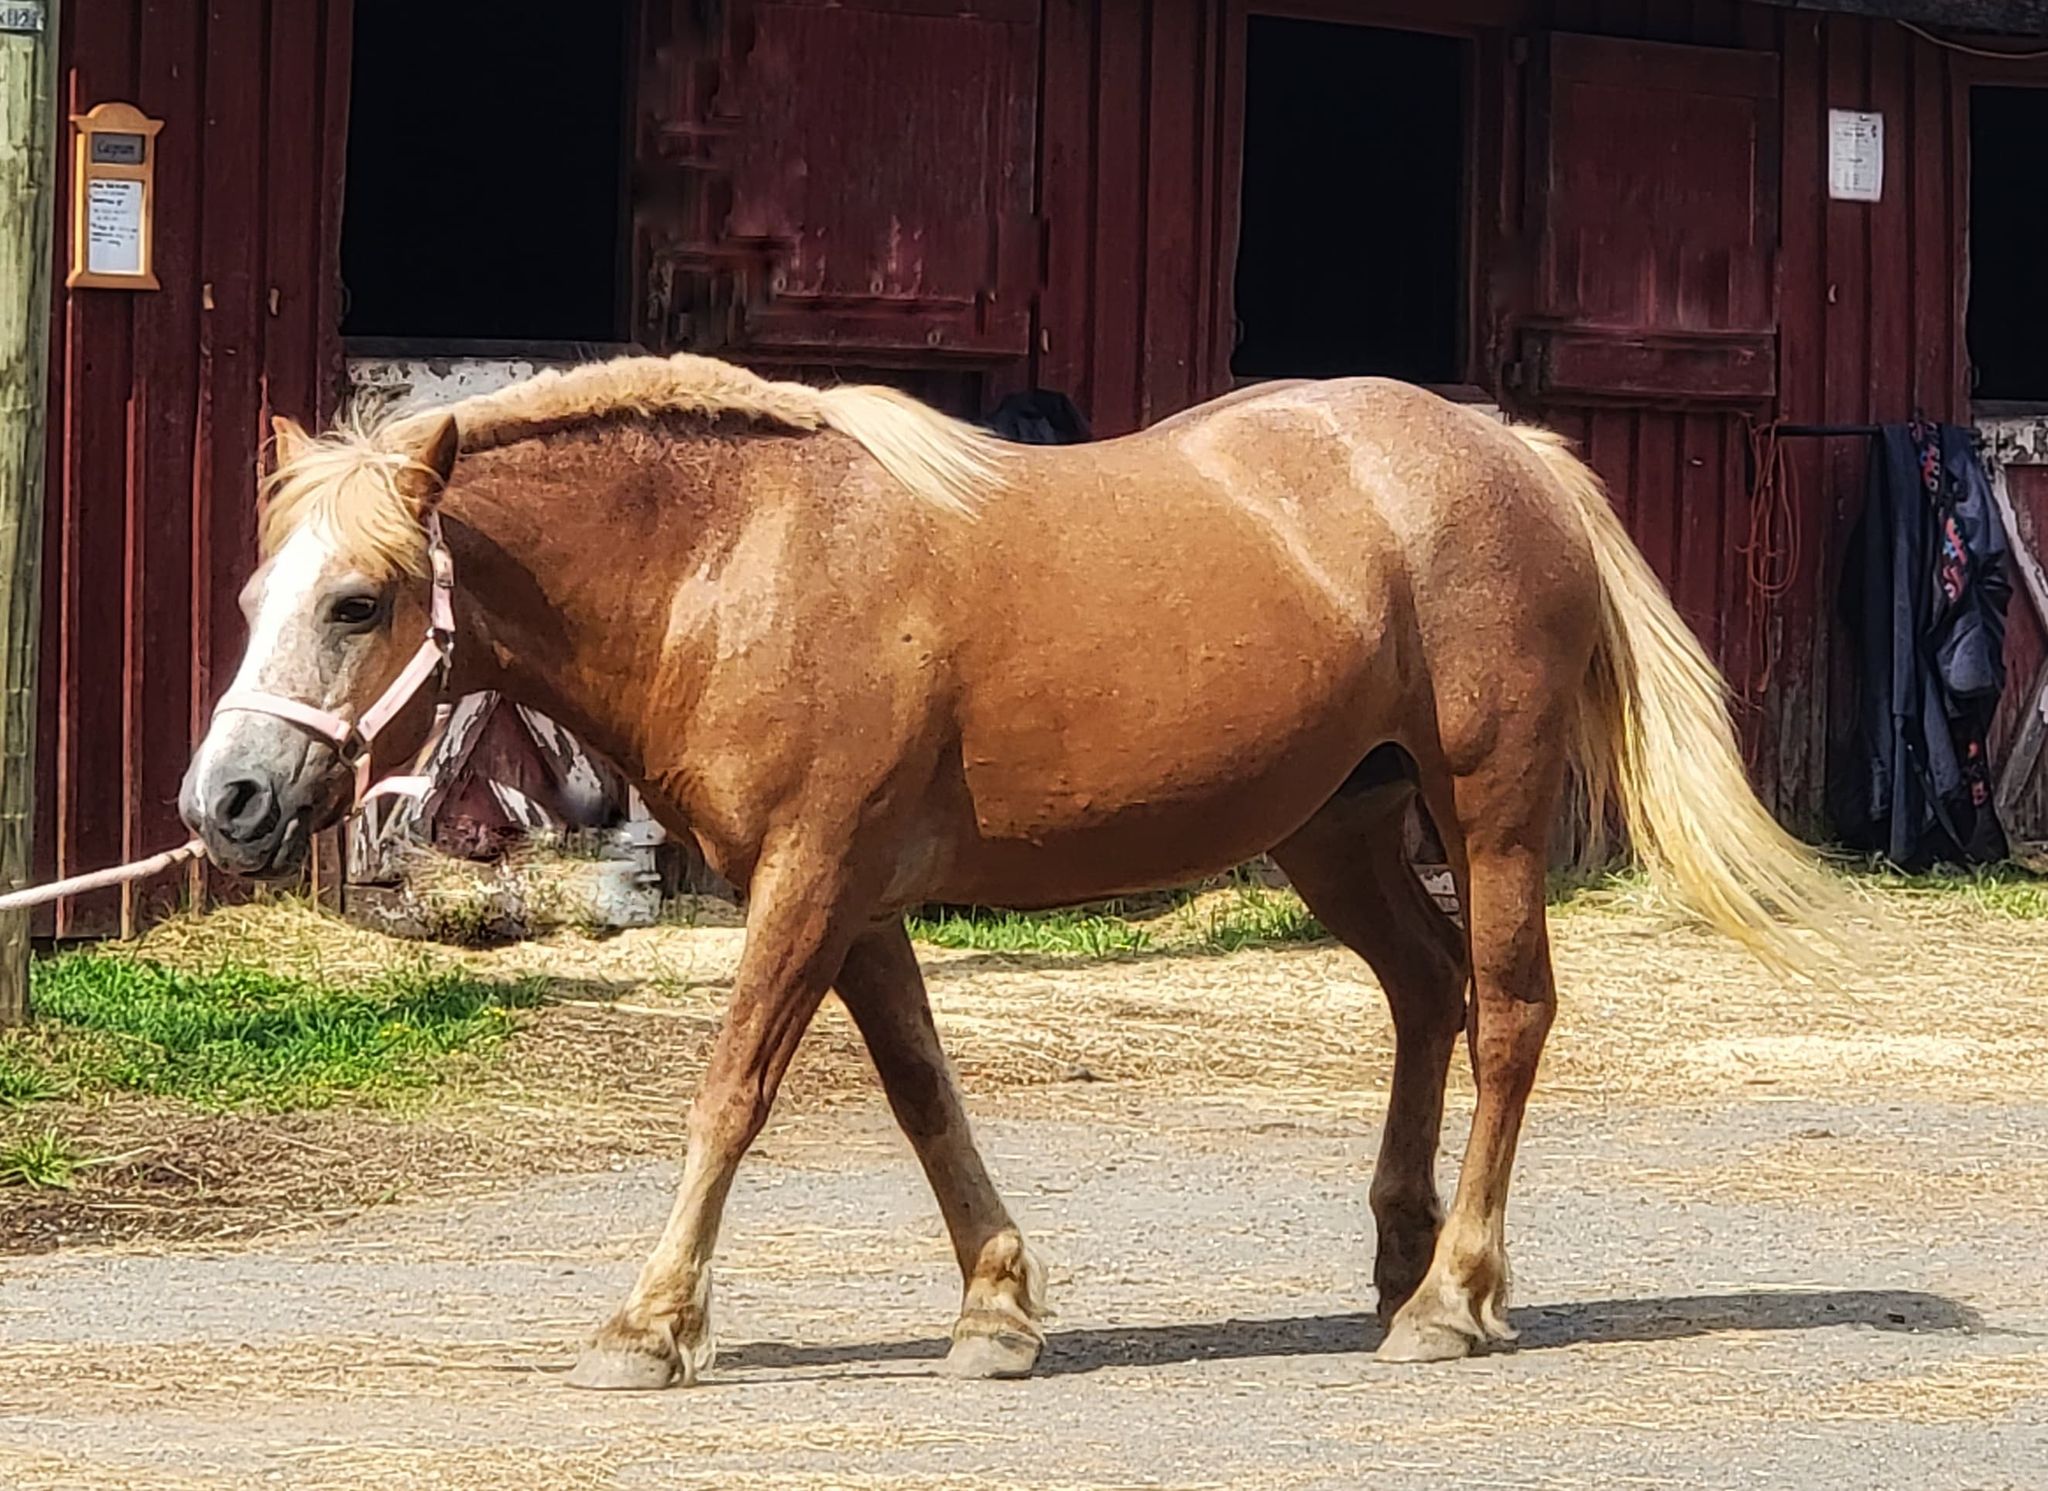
(353, 610)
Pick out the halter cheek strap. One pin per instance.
(352, 739)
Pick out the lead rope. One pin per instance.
(345, 736)
(78, 885)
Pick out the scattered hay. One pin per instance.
(1653, 1013)
(1977, 1391)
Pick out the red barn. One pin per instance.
(1665, 228)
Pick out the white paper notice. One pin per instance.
(113, 227)
(1855, 155)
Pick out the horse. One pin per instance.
(870, 657)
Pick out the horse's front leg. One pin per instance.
(997, 1334)
(797, 935)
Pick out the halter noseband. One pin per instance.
(352, 739)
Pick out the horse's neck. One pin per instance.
(572, 554)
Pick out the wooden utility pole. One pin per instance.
(28, 125)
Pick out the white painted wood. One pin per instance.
(2025, 752)
(2033, 578)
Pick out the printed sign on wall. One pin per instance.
(1855, 155)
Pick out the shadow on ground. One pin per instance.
(1543, 1327)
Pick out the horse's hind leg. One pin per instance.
(1503, 805)
(997, 1333)
(1348, 866)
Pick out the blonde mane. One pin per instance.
(346, 480)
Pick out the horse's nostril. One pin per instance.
(244, 808)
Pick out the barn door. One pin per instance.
(1644, 314)
(838, 182)
(1652, 216)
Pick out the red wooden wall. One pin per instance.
(160, 400)
(1138, 152)
(1093, 151)
(1861, 303)
(1869, 322)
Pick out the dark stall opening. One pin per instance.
(487, 168)
(2008, 245)
(1351, 247)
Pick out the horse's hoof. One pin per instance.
(627, 1365)
(1410, 1340)
(1004, 1354)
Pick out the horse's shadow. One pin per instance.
(1542, 1327)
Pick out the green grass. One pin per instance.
(1082, 933)
(1250, 914)
(1257, 916)
(44, 1160)
(1247, 915)
(2003, 890)
(22, 1081)
(242, 1036)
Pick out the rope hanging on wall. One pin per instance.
(1771, 553)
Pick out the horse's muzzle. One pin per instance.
(257, 819)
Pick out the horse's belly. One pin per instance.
(1080, 794)
(1135, 850)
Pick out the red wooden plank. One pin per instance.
(1172, 132)
(49, 664)
(1607, 440)
(1700, 497)
(1628, 364)
(1958, 237)
(1791, 734)
(1656, 517)
(1493, 218)
(337, 51)
(1743, 612)
(1887, 224)
(329, 367)
(1067, 201)
(1927, 169)
(160, 513)
(90, 776)
(292, 241)
(1847, 346)
(1120, 227)
(1228, 17)
(230, 336)
(1207, 18)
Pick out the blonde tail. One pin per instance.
(1654, 731)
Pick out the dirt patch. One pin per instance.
(1945, 1005)
(164, 1173)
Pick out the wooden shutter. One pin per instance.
(838, 181)
(1652, 211)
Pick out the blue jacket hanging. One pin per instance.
(1924, 593)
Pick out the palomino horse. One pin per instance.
(870, 658)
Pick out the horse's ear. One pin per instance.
(433, 458)
(289, 438)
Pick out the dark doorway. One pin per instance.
(1351, 245)
(2008, 244)
(487, 155)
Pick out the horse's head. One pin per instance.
(336, 612)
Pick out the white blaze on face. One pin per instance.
(282, 655)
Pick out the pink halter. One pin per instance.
(352, 739)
